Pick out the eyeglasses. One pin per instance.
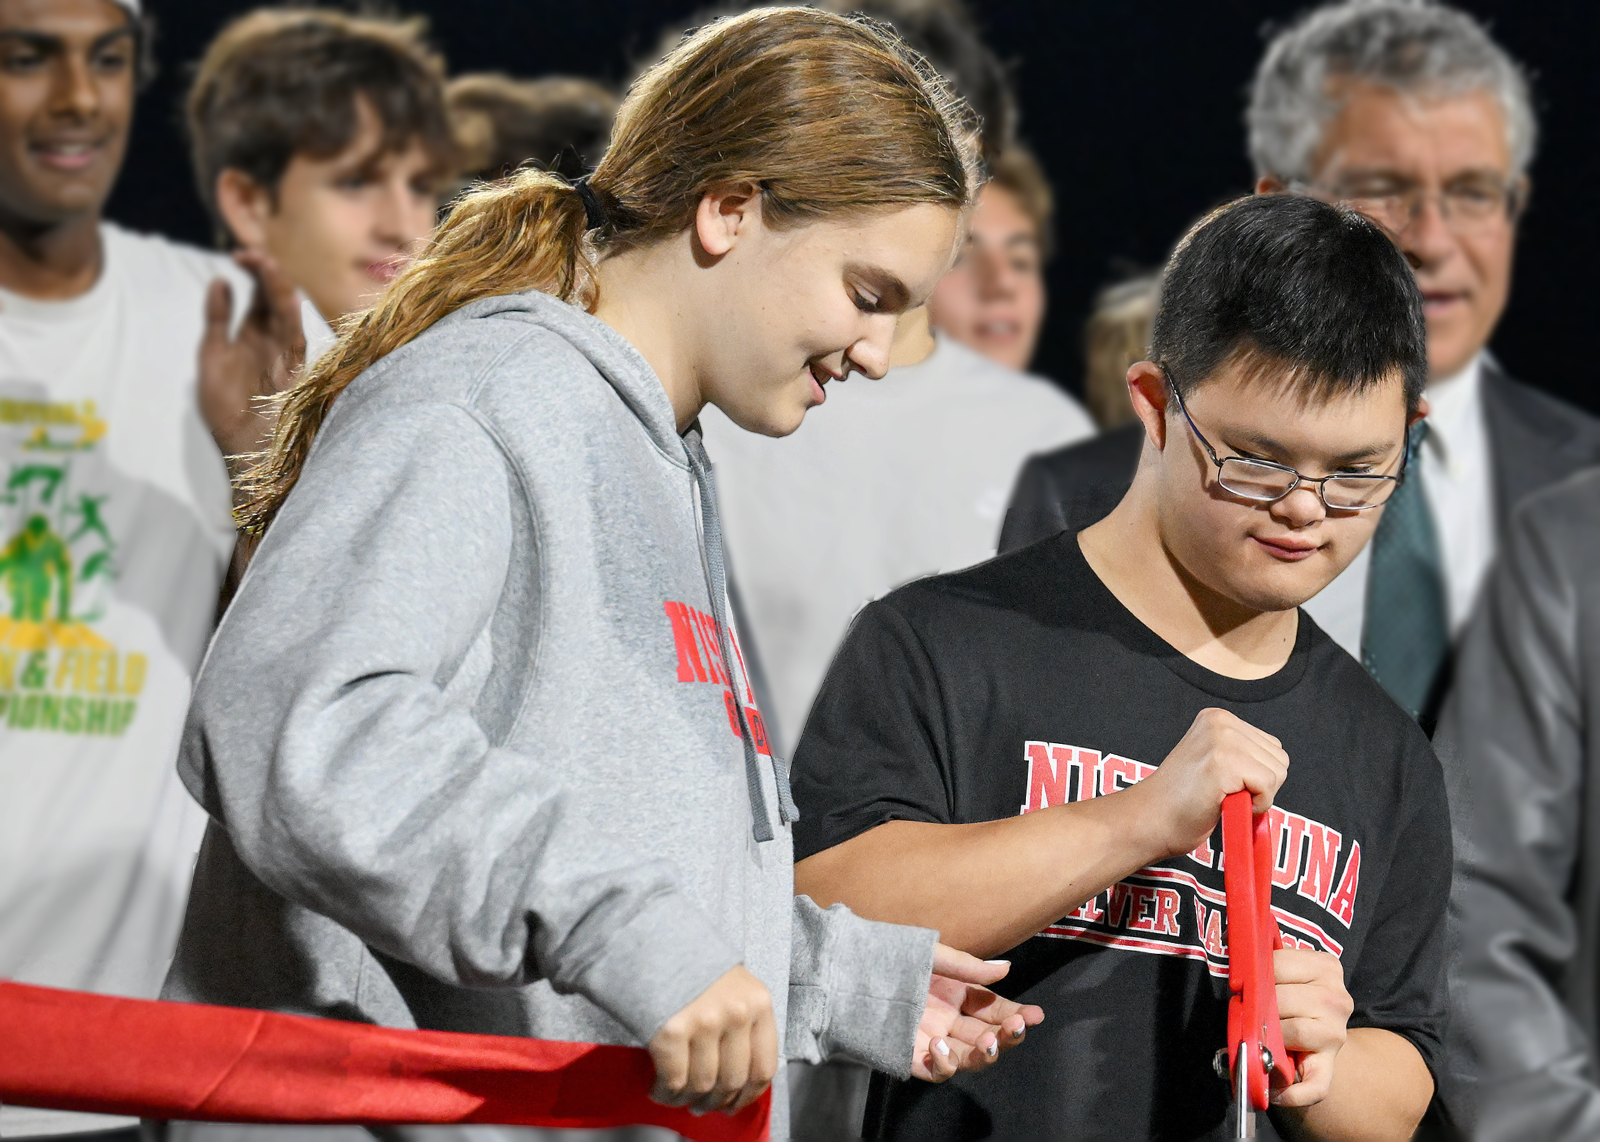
(1471, 205)
(1265, 482)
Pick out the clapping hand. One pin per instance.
(261, 361)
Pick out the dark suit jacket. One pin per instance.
(1534, 438)
(1522, 741)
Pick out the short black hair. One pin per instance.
(1293, 283)
(278, 82)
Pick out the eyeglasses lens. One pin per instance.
(1255, 481)
(1465, 209)
(1356, 493)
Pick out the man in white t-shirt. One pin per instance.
(115, 525)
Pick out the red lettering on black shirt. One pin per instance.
(1154, 901)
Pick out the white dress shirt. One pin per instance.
(1458, 484)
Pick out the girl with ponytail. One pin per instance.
(476, 736)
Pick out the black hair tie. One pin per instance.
(596, 213)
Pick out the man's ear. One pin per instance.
(725, 214)
(1148, 389)
(245, 206)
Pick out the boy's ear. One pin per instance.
(724, 215)
(1147, 388)
(245, 206)
(1422, 411)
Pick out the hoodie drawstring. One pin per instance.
(700, 468)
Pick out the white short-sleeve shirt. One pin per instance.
(115, 533)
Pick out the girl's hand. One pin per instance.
(965, 1026)
(721, 1051)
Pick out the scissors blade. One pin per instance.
(1244, 1116)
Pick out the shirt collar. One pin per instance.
(1452, 403)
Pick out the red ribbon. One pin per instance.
(72, 1050)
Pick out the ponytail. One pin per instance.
(830, 116)
(526, 232)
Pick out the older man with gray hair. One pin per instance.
(1412, 114)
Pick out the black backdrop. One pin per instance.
(1134, 108)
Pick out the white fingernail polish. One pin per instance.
(999, 963)
(942, 1047)
(993, 1049)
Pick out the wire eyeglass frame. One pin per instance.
(1383, 485)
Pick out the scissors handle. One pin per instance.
(1255, 1039)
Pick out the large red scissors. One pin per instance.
(1255, 1051)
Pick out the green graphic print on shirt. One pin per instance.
(58, 560)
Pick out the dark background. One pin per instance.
(1135, 108)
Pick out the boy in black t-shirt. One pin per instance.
(1031, 754)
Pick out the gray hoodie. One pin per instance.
(473, 751)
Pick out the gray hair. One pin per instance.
(1413, 46)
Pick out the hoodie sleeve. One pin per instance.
(857, 988)
(325, 738)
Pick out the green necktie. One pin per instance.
(1405, 637)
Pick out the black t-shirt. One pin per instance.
(1023, 683)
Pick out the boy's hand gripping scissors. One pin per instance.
(1255, 1050)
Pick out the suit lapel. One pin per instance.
(1527, 450)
